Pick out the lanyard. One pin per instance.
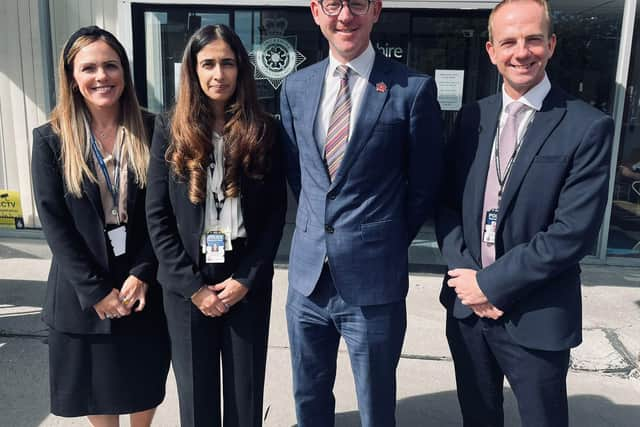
(218, 203)
(502, 178)
(114, 188)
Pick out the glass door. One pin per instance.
(624, 224)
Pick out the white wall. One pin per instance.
(25, 75)
(69, 15)
(22, 96)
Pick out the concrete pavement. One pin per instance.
(604, 381)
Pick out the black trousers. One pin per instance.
(484, 354)
(199, 343)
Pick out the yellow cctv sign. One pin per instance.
(10, 210)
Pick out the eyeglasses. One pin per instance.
(334, 7)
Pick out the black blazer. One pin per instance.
(74, 228)
(550, 214)
(176, 225)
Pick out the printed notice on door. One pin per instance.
(450, 84)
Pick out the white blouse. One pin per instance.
(226, 215)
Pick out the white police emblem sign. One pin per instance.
(276, 57)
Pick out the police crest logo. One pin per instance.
(276, 57)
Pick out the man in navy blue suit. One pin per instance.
(362, 136)
(526, 187)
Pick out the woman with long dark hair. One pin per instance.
(215, 210)
(108, 340)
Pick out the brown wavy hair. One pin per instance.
(248, 130)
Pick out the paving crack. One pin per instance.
(602, 352)
(616, 343)
(34, 336)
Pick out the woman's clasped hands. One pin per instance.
(216, 300)
(119, 303)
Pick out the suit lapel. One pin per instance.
(372, 103)
(490, 115)
(309, 96)
(311, 93)
(543, 124)
(132, 191)
(92, 191)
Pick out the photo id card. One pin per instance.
(490, 226)
(214, 249)
(118, 239)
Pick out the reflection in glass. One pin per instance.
(454, 41)
(585, 60)
(153, 22)
(624, 229)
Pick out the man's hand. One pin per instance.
(487, 310)
(464, 282)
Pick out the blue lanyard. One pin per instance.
(113, 189)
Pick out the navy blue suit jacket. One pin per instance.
(363, 221)
(549, 219)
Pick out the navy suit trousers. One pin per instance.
(484, 353)
(373, 334)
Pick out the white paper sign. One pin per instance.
(450, 85)
(176, 77)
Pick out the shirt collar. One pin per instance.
(534, 96)
(361, 65)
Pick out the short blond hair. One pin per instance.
(543, 3)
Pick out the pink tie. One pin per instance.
(338, 133)
(507, 142)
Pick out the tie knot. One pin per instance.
(515, 108)
(343, 72)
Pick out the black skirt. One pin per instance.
(106, 374)
(118, 373)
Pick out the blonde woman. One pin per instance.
(108, 342)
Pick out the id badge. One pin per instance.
(214, 247)
(490, 226)
(118, 239)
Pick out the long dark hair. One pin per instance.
(248, 131)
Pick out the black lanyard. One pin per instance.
(218, 203)
(502, 179)
(114, 188)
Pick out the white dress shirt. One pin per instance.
(231, 222)
(358, 77)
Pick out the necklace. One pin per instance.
(104, 132)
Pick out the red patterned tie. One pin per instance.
(508, 138)
(338, 133)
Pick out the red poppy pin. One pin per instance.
(381, 87)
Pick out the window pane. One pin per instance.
(624, 230)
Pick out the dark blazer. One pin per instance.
(550, 215)
(74, 228)
(364, 221)
(176, 225)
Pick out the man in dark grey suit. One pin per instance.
(362, 137)
(525, 192)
